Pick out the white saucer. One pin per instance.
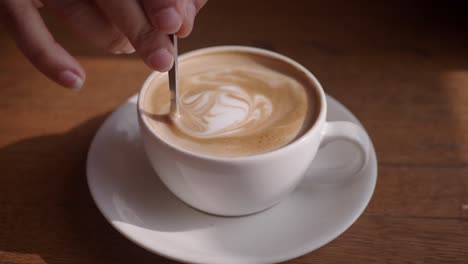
(134, 201)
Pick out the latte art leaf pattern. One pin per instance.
(223, 103)
(232, 104)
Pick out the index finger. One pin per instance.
(32, 37)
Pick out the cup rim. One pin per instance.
(286, 148)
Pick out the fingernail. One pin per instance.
(127, 49)
(168, 20)
(71, 80)
(161, 60)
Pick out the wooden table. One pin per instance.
(400, 67)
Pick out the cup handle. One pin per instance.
(350, 132)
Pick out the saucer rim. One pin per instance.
(276, 259)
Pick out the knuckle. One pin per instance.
(144, 35)
(69, 4)
(153, 7)
(73, 8)
(171, 2)
(37, 55)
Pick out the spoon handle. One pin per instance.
(174, 79)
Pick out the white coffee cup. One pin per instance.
(245, 185)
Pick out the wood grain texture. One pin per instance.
(401, 67)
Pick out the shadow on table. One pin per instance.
(49, 211)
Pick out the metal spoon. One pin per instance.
(174, 81)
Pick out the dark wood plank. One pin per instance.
(385, 239)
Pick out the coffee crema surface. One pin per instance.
(232, 104)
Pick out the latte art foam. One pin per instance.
(232, 104)
(224, 103)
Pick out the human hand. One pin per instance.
(118, 26)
